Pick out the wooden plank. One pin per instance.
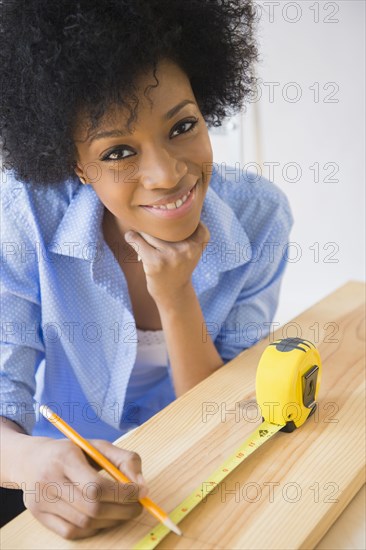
(349, 530)
(291, 490)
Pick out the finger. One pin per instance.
(129, 463)
(63, 527)
(126, 461)
(82, 475)
(200, 234)
(119, 512)
(88, 486)
(90, 489)
(113, 500)
(85, 513)
(107, 489)
(157, 243)
(91, 518)
(119, 509)
(71, 531)
(145, 250)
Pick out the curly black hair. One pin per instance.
(57, 57)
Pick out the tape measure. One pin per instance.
(287, 386)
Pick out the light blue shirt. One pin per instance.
(68, 335)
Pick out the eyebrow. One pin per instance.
(117, 132)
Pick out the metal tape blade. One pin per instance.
(260, 435)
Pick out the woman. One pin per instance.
(118, 229)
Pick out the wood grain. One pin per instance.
(349, 531)
(291, 490)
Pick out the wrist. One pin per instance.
(178, 300)
(16, 451)
(12, 458)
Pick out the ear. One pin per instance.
(79, 171)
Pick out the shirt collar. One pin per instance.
(80, 227)
(79, 233)
(229, 245)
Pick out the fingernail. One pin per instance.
(128, 235)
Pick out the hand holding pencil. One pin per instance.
(65, 492)
(102, 460)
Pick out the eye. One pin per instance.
(115, 154)
(192, 124)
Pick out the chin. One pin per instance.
(178, 233)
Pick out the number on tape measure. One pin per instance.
(255, 440)
(288, 373)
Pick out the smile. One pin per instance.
(174, 209)
(171, 205)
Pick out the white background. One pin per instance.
(309, 118)
(313, 58)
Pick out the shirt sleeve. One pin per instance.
(252, 315)
(21, 344)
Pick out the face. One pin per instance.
(155, 178)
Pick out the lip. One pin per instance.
(176, 212)
(172, 198)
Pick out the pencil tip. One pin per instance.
(171, 525)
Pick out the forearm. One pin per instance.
(12, 441)
(192, 353)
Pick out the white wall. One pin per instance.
(317, 44)
(313, 59)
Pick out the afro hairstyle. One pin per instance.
(57, 58)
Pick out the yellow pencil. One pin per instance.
(100, 459)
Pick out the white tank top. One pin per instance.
(151, 362)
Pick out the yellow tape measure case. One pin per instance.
(287, 385)
(287, 382)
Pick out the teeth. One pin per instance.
(173, 205)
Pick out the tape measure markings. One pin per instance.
(261, 434)
(289, 372)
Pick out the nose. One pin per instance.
(159, 169)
